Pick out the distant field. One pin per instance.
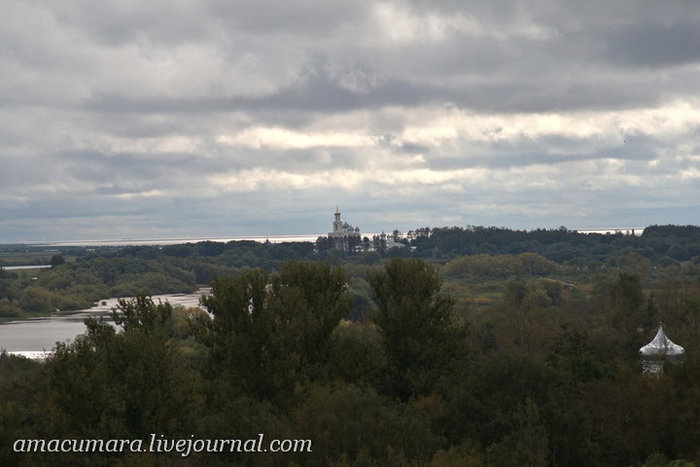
(26, 258)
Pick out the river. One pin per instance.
(32, 336)
(24, 268)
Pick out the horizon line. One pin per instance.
(272, 238)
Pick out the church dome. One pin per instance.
(661, 346)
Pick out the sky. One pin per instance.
(150, 119)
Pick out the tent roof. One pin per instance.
(661, 345)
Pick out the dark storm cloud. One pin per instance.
(511, 76)
(319, 94)
(183, 21)
(315, 94)
(96, 166)
(656, 45)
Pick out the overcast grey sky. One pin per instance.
(213, 118)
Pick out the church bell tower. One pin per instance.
(337, 223)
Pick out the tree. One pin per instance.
(323, 244)
(626, 300)
(319, 294)
(353, 425)
(238, 336)
(527, 444)
(421, 335)
(271, 331)
(36, 300)
(141, 314)
(113, 383)
(57, 260)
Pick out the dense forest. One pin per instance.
(477, 346)
(80, 276)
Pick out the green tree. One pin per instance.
(313, 295)
(353, 425)
(239, 337)
(122, 383)
(526, 444)
(141, 314)
(272, 330)
(625, 301)
(36, 300)
(421, 335)
(57, 260)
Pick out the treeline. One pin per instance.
(80, 276)
(77, 285)
(662, 244)
(501, 266)
(540, 378)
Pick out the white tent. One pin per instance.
(661, 346)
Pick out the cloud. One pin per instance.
(221, 118)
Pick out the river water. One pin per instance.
(30, 337)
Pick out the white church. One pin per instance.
(348, 238)
(342, 229)
(344, 236)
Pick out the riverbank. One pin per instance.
(34, 335)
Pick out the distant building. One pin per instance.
(392, 242)
(342, 229)
(344, 236)
(347, 238)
